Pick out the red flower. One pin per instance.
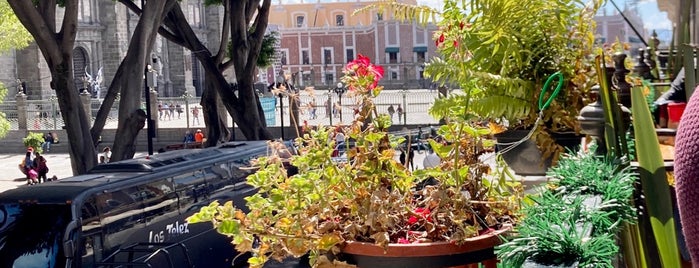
(456, 43)
(461, 25)
(362, 75)
(441, 38)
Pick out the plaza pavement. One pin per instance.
(59, 165)
(11, 177)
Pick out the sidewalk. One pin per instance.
(11, 177)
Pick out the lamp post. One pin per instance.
(340, 89)
(186, 97)
(405, 106)
(150, 81)
(53, 100)
(280, 81)
(329, 106)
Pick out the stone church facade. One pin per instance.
(104, 31)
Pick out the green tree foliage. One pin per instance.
(15, 36)
(13, 33)
(268, 50)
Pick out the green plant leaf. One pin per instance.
(653, 181)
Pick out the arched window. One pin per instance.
(80, 63)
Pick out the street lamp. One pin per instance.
(340, 89)
(53, 100)
(150, 82)
(280, 82)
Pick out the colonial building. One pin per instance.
(611, 27)
(316, 40)
(319, 37)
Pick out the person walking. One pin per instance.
(391, 111)
(172, 111)
(178, 108)
(195, 115)
(399, 110)
(41, 168)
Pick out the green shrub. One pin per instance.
(34, 140)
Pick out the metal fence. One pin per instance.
(315, 108)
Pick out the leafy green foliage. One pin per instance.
(654, 181)
(15, 36)
(576, 218)
(369, 196)
(268, 51)
(589, 174)
(34, 140)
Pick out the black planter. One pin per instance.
(526, 158)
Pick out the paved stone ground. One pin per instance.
(59, 165)
(11, 177)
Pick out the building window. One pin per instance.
(394, 75)
(329, 79)
(299, 21)
(339, 20)
(393, 57)
(379, 16)
(350, 54)
(84, 14)
(305, 58)
(327, 56)
(194, 15)
(307, 78)
(283, 57)
(420, 56)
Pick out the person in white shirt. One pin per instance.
(106, 155)
(431, 160)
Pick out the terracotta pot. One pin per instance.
(475, 250)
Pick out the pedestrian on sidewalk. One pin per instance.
(41, 168)
(48, 140)
(400, 114)
(391, 111)
(195, 116)
(199, 136)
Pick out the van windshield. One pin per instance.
(31, 235)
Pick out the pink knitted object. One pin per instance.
(687, 174)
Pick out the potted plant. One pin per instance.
(576, 218)
(331, 209)
(501, 54)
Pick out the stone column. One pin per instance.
(21, 110)
(86, 99)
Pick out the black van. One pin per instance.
(129, 213)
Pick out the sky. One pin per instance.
(652, 17)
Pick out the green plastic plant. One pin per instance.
(370, 197)
(576, 218)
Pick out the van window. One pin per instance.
(121, 214)
(160, 200)
(32, 234)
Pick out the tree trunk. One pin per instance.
(131, 117)
(57, 48)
